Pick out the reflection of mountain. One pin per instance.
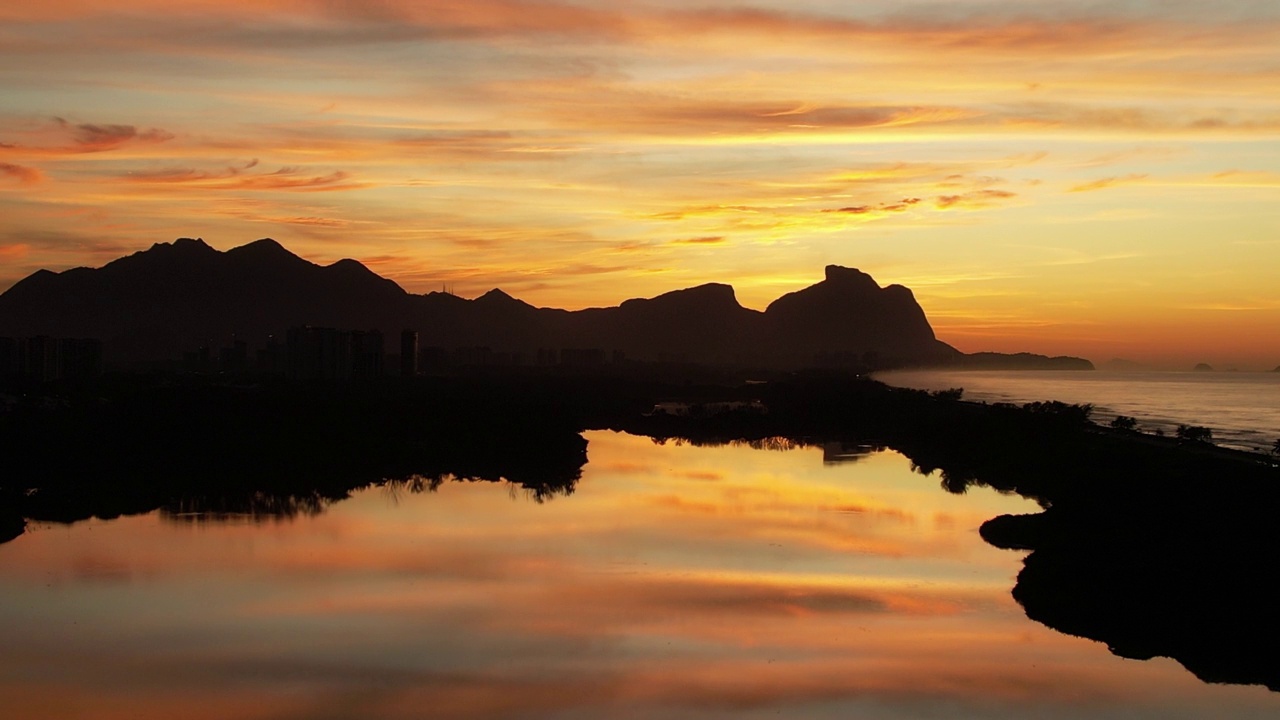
(174, 297)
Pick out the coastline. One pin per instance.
(1151, 545)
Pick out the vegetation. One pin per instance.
(1194, 434)
(950, 394)
(1124, 422)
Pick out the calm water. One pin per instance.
(1242, 409)
(677, 582)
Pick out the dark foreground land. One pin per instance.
(1151, 546)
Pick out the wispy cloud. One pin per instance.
(88, 137)
(1247, 178)
(706, 240)
(1110, 182)
(976, 199)
(645, 144)
(23, 174)
(878, 209)
(242, 178)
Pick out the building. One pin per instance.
(582, 357)
(408, 353)
(46, 359)
(315, 353)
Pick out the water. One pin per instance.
(676, 582)
(1242, 409)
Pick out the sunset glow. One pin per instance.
(1052, 176)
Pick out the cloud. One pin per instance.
(707, 210)
(238, 178)
(668, 114)
(88, 137)
(1246, 178)
(303, 221)
(885, 207)
(71, 242)
(972, 200)
(23, 174)
(1109, 182)
(707, 240)
(14, 253)
(703, 475)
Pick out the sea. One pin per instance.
(1242, 409)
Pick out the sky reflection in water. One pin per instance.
(676, 582)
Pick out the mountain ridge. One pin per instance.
(156, 303)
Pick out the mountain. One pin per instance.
(848, 314)
(155, 303)
(1021, 361)
(178, 296)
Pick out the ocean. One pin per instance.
(1242, 409)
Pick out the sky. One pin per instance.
(1064, 177)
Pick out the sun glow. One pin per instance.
(1112, 168)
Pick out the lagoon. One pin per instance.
(674, 582)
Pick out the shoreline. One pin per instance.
(1151, 545)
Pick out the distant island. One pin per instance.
(183, 297)
(1020, 361)
(1202, 367)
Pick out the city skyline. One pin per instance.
(1052, 177)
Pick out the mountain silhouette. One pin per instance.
(155, 304)
(849, 314)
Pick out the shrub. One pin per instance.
(1195, 434)
(1124, 422)
(951, 394)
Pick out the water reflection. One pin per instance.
(263, 506)
(678, 581)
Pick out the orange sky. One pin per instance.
(1051, 176)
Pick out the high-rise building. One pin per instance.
(47, 358)
(315, 353)
(409, 353)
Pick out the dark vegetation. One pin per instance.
(1124, 422)
(136, 444)
(1155, 546)
(1194, 434)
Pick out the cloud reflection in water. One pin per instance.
(676, 582)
